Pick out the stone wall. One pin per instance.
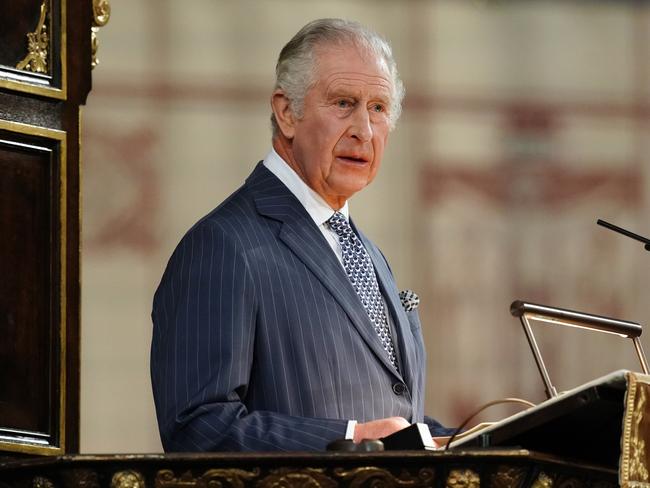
(524, 122)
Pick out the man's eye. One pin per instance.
(343, 103)
(378, 107)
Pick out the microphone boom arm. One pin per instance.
(625, 232)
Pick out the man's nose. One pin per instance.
(360, 128)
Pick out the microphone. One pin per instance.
(627, 233)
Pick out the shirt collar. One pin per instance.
(316, 206)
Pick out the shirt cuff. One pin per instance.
(349, 432)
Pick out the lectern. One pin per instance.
(605, 422)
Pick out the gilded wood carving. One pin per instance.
(374, 476)
(127, 479)
(42, 482)
(305, 478)
(508, 477)
(101, 15)
(543, 481)
(236, 478)
(38, 44)
(83, 478)
(463, 478)
(635, 458)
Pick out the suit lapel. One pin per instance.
(405, 345)
(299, 232)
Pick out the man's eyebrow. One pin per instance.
(382, 98)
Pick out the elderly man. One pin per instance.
(277, 324)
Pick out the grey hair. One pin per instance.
(295, 70)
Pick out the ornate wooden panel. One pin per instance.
(411, 469)
(32, 51)
(33, 293)
(45, 63)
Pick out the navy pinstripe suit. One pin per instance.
(261, 343)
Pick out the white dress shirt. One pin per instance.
(317, 208)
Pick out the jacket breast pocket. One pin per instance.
(414, 320)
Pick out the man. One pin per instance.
(277, 324)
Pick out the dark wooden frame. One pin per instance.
(40, 118)
(471, 469)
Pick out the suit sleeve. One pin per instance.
(437, 429)
(204, 317)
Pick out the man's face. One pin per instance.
(338, 144)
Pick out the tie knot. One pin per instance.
(340, 225)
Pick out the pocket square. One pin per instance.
(410, 300)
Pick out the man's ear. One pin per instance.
(284, 115)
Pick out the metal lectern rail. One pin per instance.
(542, 313)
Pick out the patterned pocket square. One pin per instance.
(410, 300)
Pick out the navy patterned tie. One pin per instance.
(361, 273)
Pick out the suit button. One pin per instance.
(399, 388)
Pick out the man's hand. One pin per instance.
(376, 429)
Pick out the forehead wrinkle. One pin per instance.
(352, 85)
(356, 77)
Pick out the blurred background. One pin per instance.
(524, 122)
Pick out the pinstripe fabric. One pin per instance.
(260, 341)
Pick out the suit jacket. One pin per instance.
(261, 343)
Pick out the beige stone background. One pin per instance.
(524, 122)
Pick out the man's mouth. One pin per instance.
(354, 159)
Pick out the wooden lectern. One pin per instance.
(605, 422)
